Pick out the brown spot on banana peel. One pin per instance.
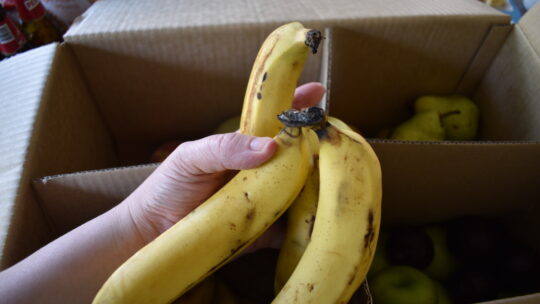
(250, 214)
(353, 275)
(256, 81)
(311, 224)
(369, 237)
(329, 133)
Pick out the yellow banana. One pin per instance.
(216, 231)
(274, 77)
(300, 220)
(347, 222)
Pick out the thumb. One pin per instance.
(216, 153)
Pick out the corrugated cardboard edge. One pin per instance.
(527, 299)
(491, 45)
(64, 133)
(72, 199)
(497, 94)
(22, 89)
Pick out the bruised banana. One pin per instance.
(300, 220)
(217, 230)
(347, 222)
(274, 77)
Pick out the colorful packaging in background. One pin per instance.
(514, 8)
(12, 39)
(36, 23)
(67, 10)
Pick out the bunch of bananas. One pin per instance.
(325, 174)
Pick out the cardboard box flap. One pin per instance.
(49, 125)
(451, 178)
(122, 16)
(23, 78)
(509, 90)
(530, 25)
(527, 299)
(69, 200)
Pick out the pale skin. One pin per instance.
(72, 268)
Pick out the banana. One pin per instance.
(217, 230)
(274, 77)
(300, 220)
(347, 222)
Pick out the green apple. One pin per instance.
(444, 263)
(229, 125)
(425, 125)
(459, 114)
(403, 285)
(380, 261)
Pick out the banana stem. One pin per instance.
(303, 118)
(313, 39)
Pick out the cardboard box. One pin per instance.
(133, 74)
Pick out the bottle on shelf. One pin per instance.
(36, 23)
(12, 39)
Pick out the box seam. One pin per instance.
(475, 57)
(93, 98)
(529, 43)
(31, 149)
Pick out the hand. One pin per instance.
(197, 169)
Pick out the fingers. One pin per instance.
(308, 95)
(217, 153)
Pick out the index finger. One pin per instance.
(308, 95)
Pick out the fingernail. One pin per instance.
(258, 143)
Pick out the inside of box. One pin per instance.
(144, 98)
(172, 84)
(378, 71)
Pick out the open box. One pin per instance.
(115, 90)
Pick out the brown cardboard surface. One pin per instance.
(378, 71)
(52, 127)
(508, 93)
(22, 79)
(180, 63)
(528, 299)
(438, 181)
(71, 199)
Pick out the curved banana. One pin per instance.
(274, 77)
(300, 220)
(347, 222)
(216, 231)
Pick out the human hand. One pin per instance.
(197, 169)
